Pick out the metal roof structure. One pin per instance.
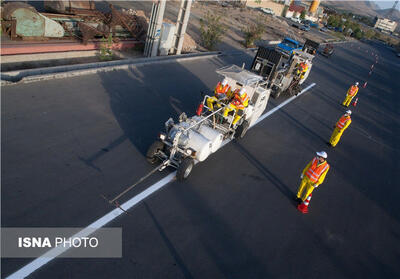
(242, 76)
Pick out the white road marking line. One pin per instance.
(101, 222)
(265, 115)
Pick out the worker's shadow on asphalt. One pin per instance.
(282, 187)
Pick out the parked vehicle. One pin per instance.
(224, 4)
(295, 19)
(305, 28)
(288, 45)
(338, 29)
(328, 50)
(310, 23)
(267, 11)
(296, 25)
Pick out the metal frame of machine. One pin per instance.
(277, 68)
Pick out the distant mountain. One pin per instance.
(395, 15)
(367, 8)
(372, 5)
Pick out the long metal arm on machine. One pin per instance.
(205, 118)
(163, 164)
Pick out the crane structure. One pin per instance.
(391, 11)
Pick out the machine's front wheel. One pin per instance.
(242, 129)
(185, 168)
(153, 150)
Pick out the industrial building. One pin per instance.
(294, 7)
(385, 24)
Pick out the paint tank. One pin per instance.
(200, 144)
(214, 136)
(314, 6)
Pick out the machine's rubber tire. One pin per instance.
(297, 89)
(276, 94)
(184, 169)
(153, 149)
(241, 130)
(294, 90)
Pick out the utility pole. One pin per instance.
(181, 24)
(392, 10)
(154, 31)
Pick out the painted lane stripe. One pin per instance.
(101, 222)
(265, 115)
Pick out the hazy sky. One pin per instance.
(385, 4)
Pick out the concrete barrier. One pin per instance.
(39, 74)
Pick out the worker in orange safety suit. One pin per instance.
(302, 68)
(239, 102)
(340, 126)
(351, 93)
(313, 175)
(222, 91)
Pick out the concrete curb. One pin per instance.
(26, 76)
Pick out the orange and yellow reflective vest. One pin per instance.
(221, 89)
(342, 121)
(352, 90)
(240, 101)
(303, 67)
(316, 170)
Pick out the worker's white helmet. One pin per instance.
(224, 82)
(322, 154)
(348, 112)
(357, 83)
(242, 91)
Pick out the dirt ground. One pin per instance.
(235, 19)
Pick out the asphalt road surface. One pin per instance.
(65, 142)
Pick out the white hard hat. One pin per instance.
(357, 83)
(348, 112)
(322, 154)
(224, 82)
(242, 91)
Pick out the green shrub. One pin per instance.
(253, 32)
(358, 34)
(211, 30)
(369, 34)
(105, 48)
(303, 15)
